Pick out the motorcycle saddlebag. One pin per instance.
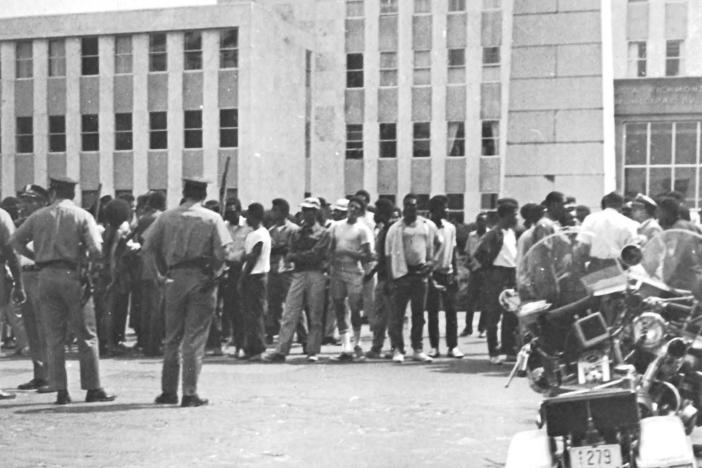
(611, 409)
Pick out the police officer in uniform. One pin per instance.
(63, 234)
(188, 244)
(32, 198)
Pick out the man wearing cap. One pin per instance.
(604, 234)
(338, 213)
(554, 218)
(350, 246)
(644, 211)
(308, 250)
(33, 197)
(497, 253)
(188, 244)
(62, 233)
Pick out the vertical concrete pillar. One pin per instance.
(7, 113)
(175, 116)
(371, 78)
(73, 112)
(561, 125)
(106, 114)
(439, 75)
(140, 113)
(41, 119)
(210, 110)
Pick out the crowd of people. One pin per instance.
(208, 274)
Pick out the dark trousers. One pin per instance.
(119, 308)
(435, 300)
(253, 297)
(277, 291)
(411, 289)
(472, 301)
(496, 280)
(152, 316)
(232, 313)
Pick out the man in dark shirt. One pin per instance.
(308, 251)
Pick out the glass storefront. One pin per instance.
(662, 156)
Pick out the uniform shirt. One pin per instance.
(650, 228)
(189, 232)
(309, 247)
(238, 232)
(349, 236)
(262, 235)
(280, 237)
(507, 257)
(444, 254)
(59, 232)
(607, 232)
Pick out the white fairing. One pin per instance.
(529, 449)
(663, 444)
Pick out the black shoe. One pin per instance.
(63, 398)
(98, 395)
(7, 396)
(192, 401)
(467, 332)
(32, 384)
(46, 389)
(167, 399)
(269, 339)
(331, 341)
(345, 357)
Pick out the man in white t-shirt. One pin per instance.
(252, 284)
(350, 246)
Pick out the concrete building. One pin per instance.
(472, 98)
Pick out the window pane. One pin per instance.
(388, 78)
(229, 39)
(421, 148)
(157, 42)
(388, 149)
(123, 122)
(491, 55)
(388, 60)
(456, 75)
(123, 45)
(488, 201)
(228, 138)
(89, 46)
(57, 143)
(228, 118)
(685, 181)
(456, 57)
(89, 123)
(661, 143)
(422, 77)
(25, 144)
(192, 40)
(388, 6)
(228, 59)
(635, 148)
(387, 131)
(23, 50)
(422, 59)
(193, 119)
(157, 120)
(193, 60)
(158, 140)
(193, 138)
(354, 79)
(123, 140)
(24, 125)
(672, 67)
(457, 5)
(422, 130)
(57, 124)
(90, 142)
(686, 143)
(354, 8)
(158, 62)
(456, 138)
(354, 61)
(660, 181)
(634, 181)
(422, 6)
(90, 66)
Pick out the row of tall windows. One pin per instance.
(158, 131)
(123, 54)
(421, 139)
(638, 58)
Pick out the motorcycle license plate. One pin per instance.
(599, 456)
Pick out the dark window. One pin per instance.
(25, 135)
(490, 137)
(457, 5)
(229, 48)
(123, 131)
(89, 132)
(90, 58)
(455, 207)
(193, 129)
(354, 70)
(23, 59)
(123, 54)
(228, 128)
(193, 50)
(388, 197)
(57, 133)
(423, 203)
(456, 139)
(673, 57)
(354, 141)
(491, 56)
(421, 140)
(158, 55)
(488, 201)
(57, 57)
(388, 7)
(388, 140)
(158, 130)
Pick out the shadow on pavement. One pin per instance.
(93, 408)
(470, 366)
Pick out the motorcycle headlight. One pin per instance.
(649, 330)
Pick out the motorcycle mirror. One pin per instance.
(631, 255)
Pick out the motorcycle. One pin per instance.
(577, 322)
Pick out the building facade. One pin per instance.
(475, 99)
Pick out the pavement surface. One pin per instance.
(369, 414)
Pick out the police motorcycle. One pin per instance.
(575, 322)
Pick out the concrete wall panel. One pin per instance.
(89, 171)
(158, 170)
(535, 6)
(557, 93)
(387, 105)
(192, 90)
(192, 163)
(676, 20)
(228, 89)
(490, 175)
(421, 176)
(579, 125)
(387, 30)
(456, 26)
(578, 5)
(354, 105)
(355, 29)
(579, 60)
(157, 92)
(490, 101)
(455, 175)
(232, 173)
(123, 94)
(421, 104)
(534, 62)
(531, 127)
(491, 28)
(455, 103)
(89, 95)
(387, 176)
(56, 165)
(637, 21)
(354, 175)
(558, 158)
(24, 170)
(421, 32)
(556, 29)
(56, 96)
(24, 98)
(123, 170)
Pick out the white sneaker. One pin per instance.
(421, 356)
(312, 358)
(496, 360)
(397, 356)
(455, 353)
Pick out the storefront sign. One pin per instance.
(658, 96)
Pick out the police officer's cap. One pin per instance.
(643, 200)
(195, 182)
(33, 191)
(62, 181)
(507, 204)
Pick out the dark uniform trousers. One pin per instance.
(151, 316)
(435, 299)
(190, 299)
(34, 324)
(59, 295)
(253, 297)
(496, 280)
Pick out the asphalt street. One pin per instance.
(369, 414)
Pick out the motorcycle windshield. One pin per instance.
(560, 270)
(673, 258)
